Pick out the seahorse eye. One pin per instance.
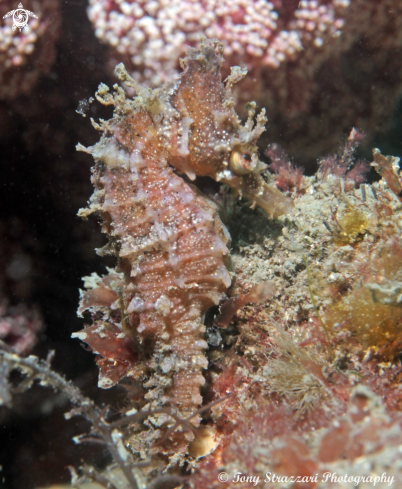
(241, 162)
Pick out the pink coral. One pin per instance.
(154, 33)
(26, 55)
(333, 453)
(289, 177)
(19, 327)
(348, 78)
(314, 62)
(344, 164)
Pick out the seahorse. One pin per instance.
(171, 246)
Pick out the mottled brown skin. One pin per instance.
(216, 132)
(201, 96)
(169, 241)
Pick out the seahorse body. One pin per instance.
(170, 243)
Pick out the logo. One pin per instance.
(20, 17)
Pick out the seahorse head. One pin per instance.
(198, 130)
(209, 138)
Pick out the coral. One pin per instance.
(19, 326)
(350, 241)
(375, 325)
(154, 34)
(341, 164)
(371, 311)
(26, 55)
(348, 237)
(20, 318)
(294, 409)
(289, 177)
(270, 445)
(338, 80)
(169, 240)
(388, 168)
(295, 374)
(314, 64)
